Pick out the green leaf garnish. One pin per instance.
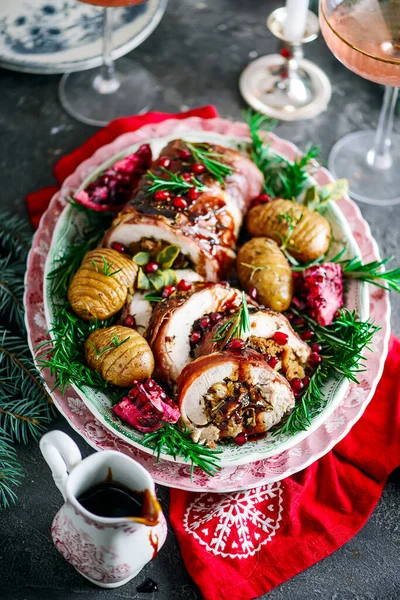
(168, 255)
(141, 258)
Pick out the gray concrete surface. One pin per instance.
(197, 53)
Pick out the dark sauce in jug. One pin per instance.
(113, 500)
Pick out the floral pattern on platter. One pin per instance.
(235, 525)
(79, 549)
(229, 479)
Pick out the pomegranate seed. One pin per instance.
(306, 381)
(130, 321)
(299, 322)
(168, 291)
(198, 168)
(272, 362)
(161, 195)
(262, 198)
(307, 335)
(187, 177)
(316, 348)
(193, 193)
(149, 383)
(285, 52)
(184, 154)
(253, 293)
(284, 74)
(315, 358)
(118, 247)
(215, 317)
(164, 162)
(151, 267)
(280, 338)
(195, 337)
(240, 439)
(297, 384)
(205, 322)
(289, 316)
(184, 286)
(133, 393)
(235, 344)
(179, 202)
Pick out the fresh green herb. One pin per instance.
(235, 327)
(106, 268)
(12, 290)
(64, 355)
(282, 178)
(343, 344)
(141, 258)
(172, 182)
(255, 268)
(204, 155)
(286, 245)
(316, 198)
(153, 298)
(97, 351)
(372, 272)
(169, 439)
(168, 255)
(117, 343)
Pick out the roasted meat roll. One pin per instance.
(203, 223)
(272, 336)
(171, 326)
(231, 394)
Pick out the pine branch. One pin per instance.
(15, 237)
(10, 471)
(11, 292)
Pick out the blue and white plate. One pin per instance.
(56, 36)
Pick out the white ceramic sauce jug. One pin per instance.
(107, 551)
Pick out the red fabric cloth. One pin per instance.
(37, 202)
(291, 524)
(322, 507)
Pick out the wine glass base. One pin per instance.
(266, 87)
(136, 93)
(348, 160)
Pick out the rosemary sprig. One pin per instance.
(343, 344)
(372, 272)
(236, 326)
(106, 268)
(153, 298)
(202, 154)
(282, 178)
(172, 182)
(169, 439)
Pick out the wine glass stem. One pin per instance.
(107, 82)
(379, 157)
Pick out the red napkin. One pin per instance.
(39, 201)
(283, 528)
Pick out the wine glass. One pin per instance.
(102, 94)
(365, 36)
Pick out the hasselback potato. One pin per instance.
(261, 264)
(311, 235)
(120, 354)
(100, 286)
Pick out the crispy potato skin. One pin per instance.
(93, 294)
(311, 236)
(274, 282)
(131, 361)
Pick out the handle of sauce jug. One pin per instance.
(61, 454)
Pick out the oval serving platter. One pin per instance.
(68, 231)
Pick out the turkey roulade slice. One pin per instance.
(203, 223)
(230, 394)
(171, 325)
(270, 334)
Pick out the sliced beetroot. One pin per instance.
(147, 407)
(114, 187)
(319, 290)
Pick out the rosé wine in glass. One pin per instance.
(365, 36)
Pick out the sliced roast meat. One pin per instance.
(290, 357)
(206, 229)
(230, 394)
(171, 324)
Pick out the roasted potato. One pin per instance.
(120, 354)
(311, 235)
(261, 264)
(100, 286)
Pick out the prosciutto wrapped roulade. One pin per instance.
(232, 395)
(174, 320)
(206, 223)
(272, 336)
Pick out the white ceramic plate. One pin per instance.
(56, 36)
(67, 232)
